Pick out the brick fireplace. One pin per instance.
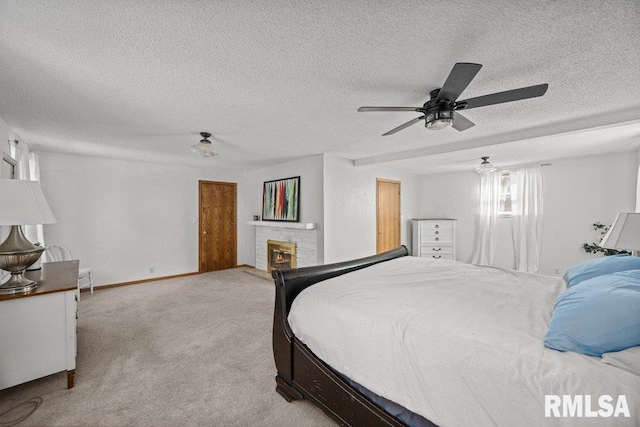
(305, 240)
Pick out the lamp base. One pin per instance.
(16, 254)
(17, 284)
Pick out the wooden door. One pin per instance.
(218, 235)
(387, 214)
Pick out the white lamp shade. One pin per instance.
(624, 234)
(22, 203)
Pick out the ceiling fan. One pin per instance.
(441, 110)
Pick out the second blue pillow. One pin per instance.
(601, 315)
(601, 266)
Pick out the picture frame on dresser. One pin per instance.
(281, 200)
(434, 238)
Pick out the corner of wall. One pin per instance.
(6, 133)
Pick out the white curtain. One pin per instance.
(527, 206)
(28, 169)
(487, 218)
(638, 192)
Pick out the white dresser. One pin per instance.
(38, 329)
(434, 238)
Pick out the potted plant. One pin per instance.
(594, 248)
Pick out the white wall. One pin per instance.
(337, 196)
(453, 195)
(310, 171)
(5, 134)
(578, 192)
(122, 217)
(350, 207)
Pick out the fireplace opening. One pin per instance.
(280, 255)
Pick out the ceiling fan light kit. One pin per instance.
(439, 120)
(485, 167)
(441, 111)
(204, 147)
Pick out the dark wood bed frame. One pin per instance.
(302, 375)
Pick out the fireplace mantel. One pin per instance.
(284, 224)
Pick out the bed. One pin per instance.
(448, 343)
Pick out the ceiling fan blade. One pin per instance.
(406, 125)
(506, 96)
(461, 123)
(375, 109)
(459, 78)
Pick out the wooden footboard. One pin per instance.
(300, 373)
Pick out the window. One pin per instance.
(8, 168)
(505, 195)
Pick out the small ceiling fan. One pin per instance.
(441, 110)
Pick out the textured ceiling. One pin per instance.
(277, 80)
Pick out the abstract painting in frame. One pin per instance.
(281, 200)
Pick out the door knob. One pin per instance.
(204, 232)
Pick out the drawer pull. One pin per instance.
(437, 239)
(437, 232)
(436, 257)
(436, 249)
(437, 226)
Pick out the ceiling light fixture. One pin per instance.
(439, 120)
(204, 147)
(485, 167)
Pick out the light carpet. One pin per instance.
(186, 351)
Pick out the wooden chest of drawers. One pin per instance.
(434, 238)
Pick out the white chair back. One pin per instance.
(56, 253)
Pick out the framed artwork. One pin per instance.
(281, 200)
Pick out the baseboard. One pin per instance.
(137, 282)
(152, 279)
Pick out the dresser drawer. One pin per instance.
(435, 225)
(436, 250)
(434, 256)
(436, 236)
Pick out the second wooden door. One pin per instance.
(387, 215)
(217, 241)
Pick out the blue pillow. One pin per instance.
(601, 315)
(599, 266)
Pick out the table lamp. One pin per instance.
(21, 203)
(624, 233)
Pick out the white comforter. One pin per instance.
(455, 343)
